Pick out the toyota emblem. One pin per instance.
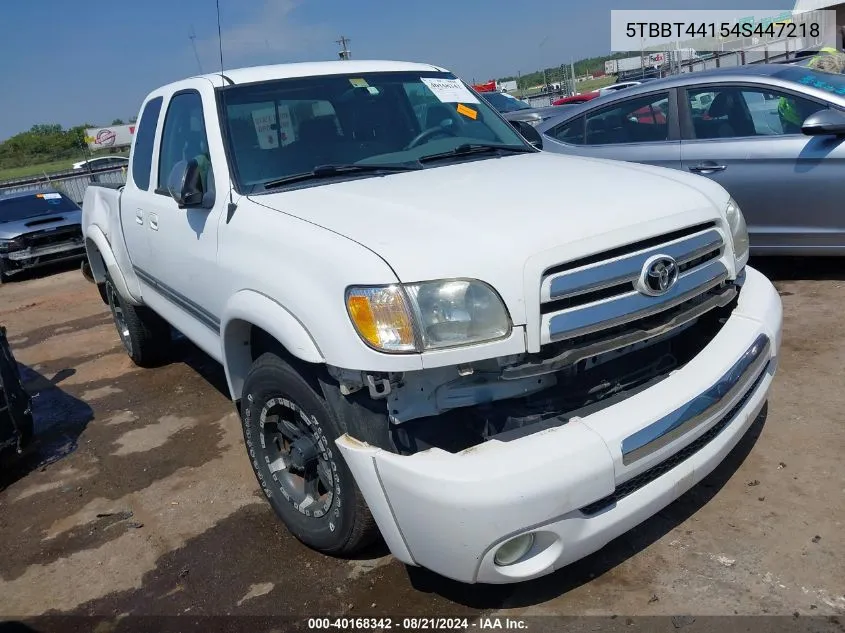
(659, 274)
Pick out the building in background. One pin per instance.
(828, 5)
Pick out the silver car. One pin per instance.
(772, 135)
(514, 110)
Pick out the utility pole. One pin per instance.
(344, 53)
(572, 68)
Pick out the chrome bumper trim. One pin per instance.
(701, 408)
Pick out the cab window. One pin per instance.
(183, 137)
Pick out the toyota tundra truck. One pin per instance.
(422, 337)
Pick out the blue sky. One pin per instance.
(94, 60)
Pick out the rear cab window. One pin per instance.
(142, 153)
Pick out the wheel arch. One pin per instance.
(254, 323)
(103, 262)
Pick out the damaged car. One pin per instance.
(38, 228)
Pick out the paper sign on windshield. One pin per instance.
(467, 112)
(265, 127)
(449, 90)
(285, 125)
(49, 196)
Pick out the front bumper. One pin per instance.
(580, 485)
(33, 257)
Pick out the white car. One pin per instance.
(617, 87)
(421, 341)
(101, 162)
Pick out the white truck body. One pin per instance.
(577, 281)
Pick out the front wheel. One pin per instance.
(290, 435)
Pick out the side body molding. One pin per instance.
(249, 307)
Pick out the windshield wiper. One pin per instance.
(328, 171)
(476, 148)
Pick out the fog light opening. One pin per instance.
(513, 550)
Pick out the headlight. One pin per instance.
(7, 246)
(458, 312)
(428, 315)
(382, 318)
(739, 233)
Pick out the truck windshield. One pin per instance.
(31, 206)
(290, 127)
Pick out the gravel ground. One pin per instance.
(139, 499)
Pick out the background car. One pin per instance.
(38, 228)
(770, 134)
(622, 85)
(101, 162)
(514, 109)
(578, 98)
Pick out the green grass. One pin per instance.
(594, 84)
(13, 173)
(582, 86)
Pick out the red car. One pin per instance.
(582, 98)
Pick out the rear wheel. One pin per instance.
(290, 434)
(145, 335)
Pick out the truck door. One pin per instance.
(183, 241)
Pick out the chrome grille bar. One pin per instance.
(627, 268)
(600, 315)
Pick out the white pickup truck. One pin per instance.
(430, 328)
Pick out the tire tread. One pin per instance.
(364, 529)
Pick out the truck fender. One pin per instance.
(96, 240)
(248, 308)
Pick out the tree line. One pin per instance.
(45, 143)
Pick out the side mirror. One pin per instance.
(824, 122)
(185, 185)
(529, 133)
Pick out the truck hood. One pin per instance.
(504, 220)
(11, 230)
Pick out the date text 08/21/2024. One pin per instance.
(387, 623)
(678, 30)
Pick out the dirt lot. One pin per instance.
(139, 498)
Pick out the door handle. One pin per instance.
(154, 221)
(139, 217)
(707, 167)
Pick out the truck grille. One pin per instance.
(52, 237)
(599, 292)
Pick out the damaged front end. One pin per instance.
(458, 407)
